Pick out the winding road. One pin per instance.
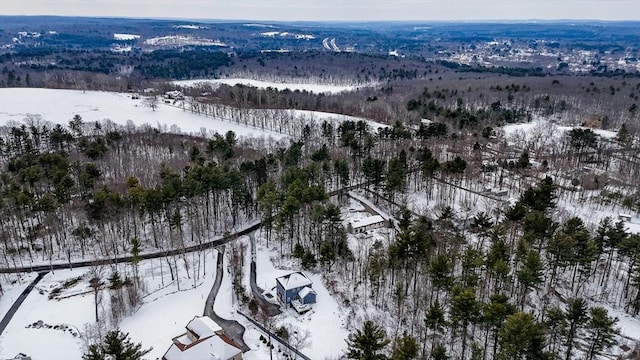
(129, 258)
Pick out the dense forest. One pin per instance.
(512, 283)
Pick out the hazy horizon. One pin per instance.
(335, 10)
(258, 21)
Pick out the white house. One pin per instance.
(174, 95)
(362, 225)
(204, 340)
(624, 217)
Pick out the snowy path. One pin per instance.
(268, 307)
(16, 305)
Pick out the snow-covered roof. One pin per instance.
(203, 326)
(294, 280)
(632, 227)
(306, 291)
(213, 348)
(371, 205)
(375, 219)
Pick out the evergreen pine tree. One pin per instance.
(577, 317)
(439, 352)
(117, 346)
(602, 330)
(521, 337)
(366, 344)
(406, 348)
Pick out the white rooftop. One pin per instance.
(203, 326)
(213, 348)
(294, 280)
(375, 219)
(306, 291)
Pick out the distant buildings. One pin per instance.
(204, 340)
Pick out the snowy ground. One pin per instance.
(13, 285)
(544, 130)
(315, 88)
(326, 322)
(163, 315)
(319, 116)
(165, 310)
(49, 343)
(60, 106)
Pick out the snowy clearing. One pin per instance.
(319, 116)
(125, 36)
(60, 106)
(541, 127)
(315, 88)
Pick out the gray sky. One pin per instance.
(333, 9)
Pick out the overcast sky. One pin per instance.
(333, 9)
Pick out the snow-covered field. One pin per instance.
(319, 117)
(544, 130)
(117, 36)
(315, 88)
(60, 106)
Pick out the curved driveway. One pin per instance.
(268, 307)
(231, 328)
(12, 310)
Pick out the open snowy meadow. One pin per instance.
(22, 105)
(315, 88)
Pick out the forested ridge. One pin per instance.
(527, 280)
